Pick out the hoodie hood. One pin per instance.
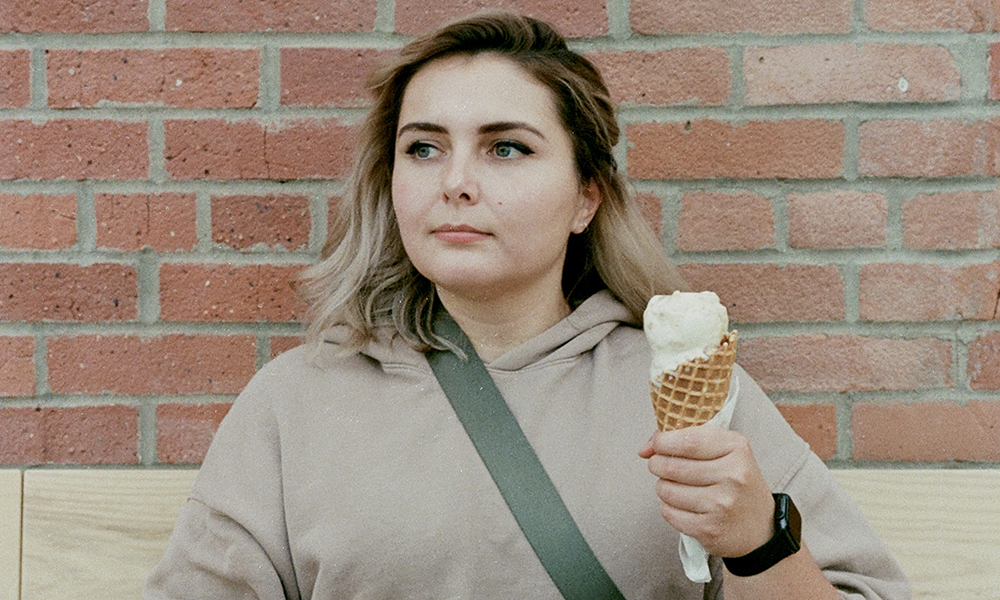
(576, 334)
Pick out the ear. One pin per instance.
(590, 199)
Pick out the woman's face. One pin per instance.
(485, 186)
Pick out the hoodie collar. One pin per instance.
(576, 334)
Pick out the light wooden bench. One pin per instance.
(95, 534)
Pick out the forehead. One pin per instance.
(480, 87)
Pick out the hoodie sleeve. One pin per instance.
(212, 556)
(841, 540)
(230, 540)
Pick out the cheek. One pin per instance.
(404, 203)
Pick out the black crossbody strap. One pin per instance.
(515, 468)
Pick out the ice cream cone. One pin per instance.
(696, 390)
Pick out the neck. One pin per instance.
(497, 325)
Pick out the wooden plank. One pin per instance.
(942, 525)
(10, 534)
(96, 534)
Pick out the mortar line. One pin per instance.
(148, 287)
(40, 359)
(619, 19)
(859, 24)
(269, 86)
(385, 16)
(156, 133)
(157, 14)
(86, 220)
(148, 433)
(38, 83)
(319, 209)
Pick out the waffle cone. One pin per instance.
(696, 390)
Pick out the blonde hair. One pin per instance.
(365, 279)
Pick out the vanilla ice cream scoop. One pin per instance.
(681, 327)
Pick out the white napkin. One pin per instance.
(693, 555)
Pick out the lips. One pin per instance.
(448, 228)
(459, 233)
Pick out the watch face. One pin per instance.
(788, 520)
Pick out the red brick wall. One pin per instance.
(829, 167)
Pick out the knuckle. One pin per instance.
(740, 479)
(725, 504)
(663, 491)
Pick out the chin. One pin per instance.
(472, 285)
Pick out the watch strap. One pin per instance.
(784, 543)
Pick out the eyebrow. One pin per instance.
(498, 127)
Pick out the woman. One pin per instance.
(486, 188)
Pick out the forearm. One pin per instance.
(795, 577)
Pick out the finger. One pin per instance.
(687, 498)
(647, 449)
(684, 471)
(704, 442)
(699, 526)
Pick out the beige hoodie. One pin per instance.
(351, 477)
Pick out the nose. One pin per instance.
(459, 180)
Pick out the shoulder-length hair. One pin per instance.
(365, 279)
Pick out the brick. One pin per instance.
(939, 148)
(214, 293)
(651, 207)
(69, 16)
(952, 221)
(841, 219)
(692, 76)
(722, 16)
(15, 78)
(172, 364)
(274, 220)
(67, 292)
(706, 149)
(178, 77)
(816, 424)
(824, 74)
(216, 149)
(131, 222)
(17, 366)
(37, 222)
(327, 76)
(250, 149)
(846, 363)
(85, 435)
(926, 431)
(756, 293)
(73, 149)
(572, 18)
(309, 149)
(184, 431)
(994, 71)
(984, 362)
(711, 221)
(283, 343)
(967, 292)
(970, 16)
(296, 16)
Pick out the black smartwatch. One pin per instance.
(786, 541)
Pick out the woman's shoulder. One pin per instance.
(323, 368)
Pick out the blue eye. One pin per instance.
(509, 149)
(421, 150)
